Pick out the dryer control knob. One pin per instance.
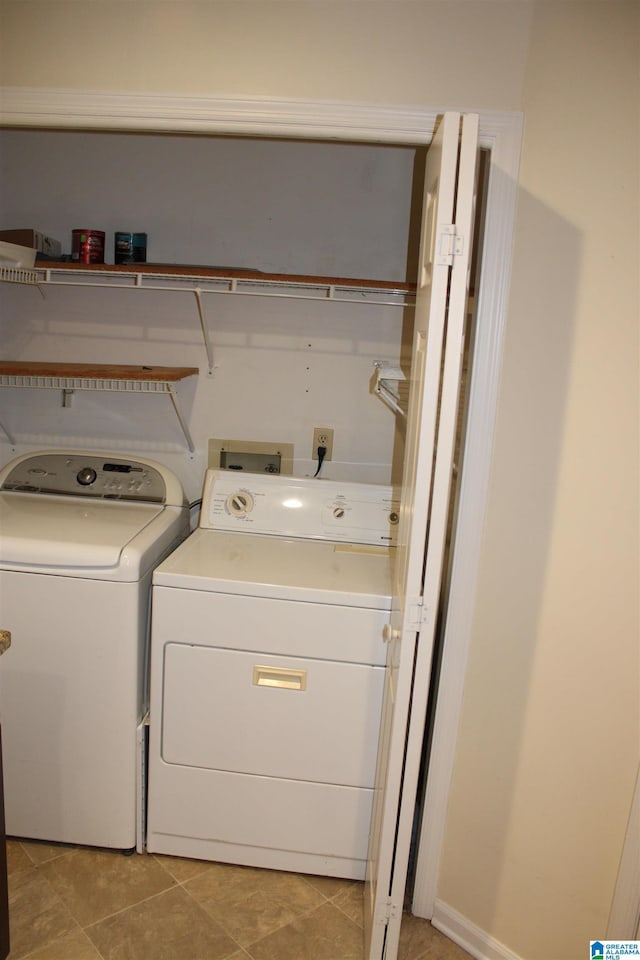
(86, 476)
(240, 504)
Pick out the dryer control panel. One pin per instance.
(300, 507)
(92, 475)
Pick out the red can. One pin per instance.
(87, 246)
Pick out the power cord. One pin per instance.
(193, 521)
(322, 452)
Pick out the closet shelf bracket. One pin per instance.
(8, 435)
(205, 336)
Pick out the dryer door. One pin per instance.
(298, 719)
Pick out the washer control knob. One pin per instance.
(338, 513)
(240, 504)
(86, 476)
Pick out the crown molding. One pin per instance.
(255, 116)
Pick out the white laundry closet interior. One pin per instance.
(280, 364)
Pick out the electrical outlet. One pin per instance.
(322, 437)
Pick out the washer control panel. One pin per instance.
(86, 475)
(299, 507)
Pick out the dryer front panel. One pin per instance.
(264, 624)
(264, 728)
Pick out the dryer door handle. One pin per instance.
(282, 677)
(5, 640)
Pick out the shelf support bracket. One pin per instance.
(7, 434)
(181, 420)
(205, 336)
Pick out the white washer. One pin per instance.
(79, 536)
(267, 671)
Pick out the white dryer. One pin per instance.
(267, 672)
(80, 534)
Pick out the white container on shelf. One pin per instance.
(13, 255)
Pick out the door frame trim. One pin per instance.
(235, 115)
(624, 917)
(501, 134)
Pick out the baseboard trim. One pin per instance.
(467, 935)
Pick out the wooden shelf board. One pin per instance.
(97, 371)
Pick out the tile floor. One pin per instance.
(82, 904)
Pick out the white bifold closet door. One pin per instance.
(441, 308)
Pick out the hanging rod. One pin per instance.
(388, 378)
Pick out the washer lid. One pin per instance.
(62, 531)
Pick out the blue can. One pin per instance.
(130, 247)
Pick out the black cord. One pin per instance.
(322, 452)
(192, 506)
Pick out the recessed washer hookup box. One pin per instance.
(34, 239)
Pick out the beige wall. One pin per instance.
(550, 731)
(389, 52)
(549, 740)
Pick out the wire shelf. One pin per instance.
(114, 379)
(291, 288)
(18, 275)
(85, 383)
